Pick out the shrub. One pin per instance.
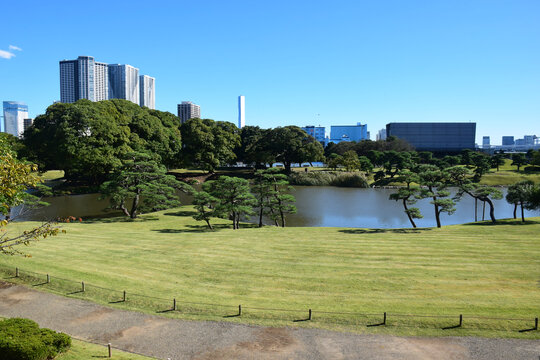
(22, 339)
(329, 178)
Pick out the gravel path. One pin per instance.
(179, 339)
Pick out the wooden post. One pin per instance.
(535, 323)
(384, 319)
(239, 310)
(309, 318)
(83, 288)
(174, 305)
(16, 272)
(460, 320)
(110, 350)
(124, 299)
(48, 279)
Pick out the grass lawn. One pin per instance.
(508, 175)
(476, 270)
(81, 350)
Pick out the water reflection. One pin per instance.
(317, 206)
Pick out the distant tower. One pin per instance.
(124, 83)
(148, 92)
(241, 111)
(188, 110)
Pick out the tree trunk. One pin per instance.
(437, 213)
(522, 214)
(208, 223)
(234, 220)
(484, 210)
(282, 218)
(287, 167)
(491, 210)
(475, 209)
(261, 216)
(125, 210)
(515, 210)
(135, 206)
(407, 212)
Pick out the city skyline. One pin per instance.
(368, 63)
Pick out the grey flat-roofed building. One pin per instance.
(188, 110)
(443, 136)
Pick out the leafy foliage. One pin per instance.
(203, 203)
(143, 181)
(22, 339)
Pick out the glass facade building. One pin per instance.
(241, 111)
(443, 137)
(318, 132)
(15, 113)
(124, 83)
(147, 91)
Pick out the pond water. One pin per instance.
(324, 206)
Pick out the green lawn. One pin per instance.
(85, 351)
(475, 270)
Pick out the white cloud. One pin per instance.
(6, 54)
(13, 47)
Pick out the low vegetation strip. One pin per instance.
(348, 277)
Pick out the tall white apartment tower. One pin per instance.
(83, 78)
(14, 114)
(188, 110)
(241, 111)
(124, 82)
(147, 91)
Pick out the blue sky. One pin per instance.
(297, 62)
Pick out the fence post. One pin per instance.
(535, 323)
(110, 351)
(309, 318)
(124, 299)
(174, 304)
(239, 310)
(16, 272)
(460, 320)
(384, 319)
(48, 279)
(83, 288)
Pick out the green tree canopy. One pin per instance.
(208, 143)
(87, 139)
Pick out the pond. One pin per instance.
(324, 206)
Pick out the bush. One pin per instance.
(329, 178)
(22, 339)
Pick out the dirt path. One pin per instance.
(178, 339)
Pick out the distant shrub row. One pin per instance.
(22, 339)
(329, 178)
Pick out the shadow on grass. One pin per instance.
(181, 213)
(504, 222)
(118, 219)
(203, 228)
(381, 231)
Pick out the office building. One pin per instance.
(83, 78)
(444, 137)
(507, 140)
(124, 82)
(147, 90)
(188, 110)
(381, 135)
(356, 132)
(241, 111)
(27, 123)
(529, 139)
(318, 132)
(485, 142)
(14, 114)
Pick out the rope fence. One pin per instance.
(136, 301)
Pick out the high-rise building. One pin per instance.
(485, 142)
(27, 123)
(508, 140)
(83, 78)
(147, 91)
(124, 82)
(381, 135)
(241, 111)
(444, 137)
(356, 132)
(14, 114)
(188, 110)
